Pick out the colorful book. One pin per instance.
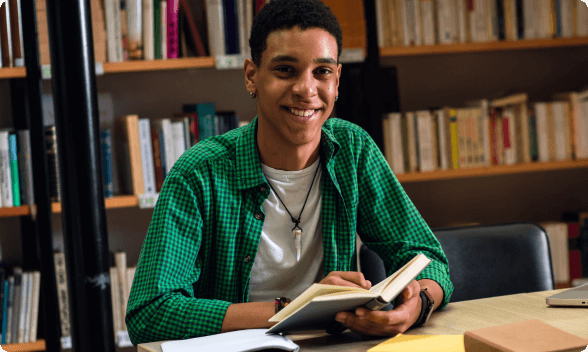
(157, 29)
(206, 113)
(6, 289)
(14, 173)
(129, 150)
(200, 51)
(5, 177)
(172, 34)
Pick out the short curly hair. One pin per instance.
(285, 14)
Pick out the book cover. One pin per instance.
(5, 177)
(16, 32)
(215, 20)
(317, 307)
(53, 163)
(14, 173)
(148, 33)
(524, 336)
(129, 149)
(147, 156)
(106, 154)
(172, 33)
(113, 30)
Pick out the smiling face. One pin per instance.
(296, 85)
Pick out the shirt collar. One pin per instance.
(247, 157)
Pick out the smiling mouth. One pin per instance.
(302, 112)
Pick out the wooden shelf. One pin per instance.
(158, 65)
(482, 47)
(110, 203)
(15, 211)
(38, 345)
(13, 72)
(492, 171)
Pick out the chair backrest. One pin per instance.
(486, 261)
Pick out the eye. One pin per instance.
(324, 71)
(284, 70)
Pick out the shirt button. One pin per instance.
(258, 216)
(263, 189)
(247, 259)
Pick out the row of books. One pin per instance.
(16, 170)
(121, 279)
(503, 131)
(568, 241)
(429, 22)
(19, 305)
(149, 148)
(11, 44)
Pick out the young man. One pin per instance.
(266, 210)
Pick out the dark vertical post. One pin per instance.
(42, 236)
(84, 218)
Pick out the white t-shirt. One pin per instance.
(276, 271)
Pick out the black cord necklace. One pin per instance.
(297, 230)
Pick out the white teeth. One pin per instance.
(304, 113)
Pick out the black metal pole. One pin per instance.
(43, 236)
(84, 217)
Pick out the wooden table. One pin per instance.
(455, 319)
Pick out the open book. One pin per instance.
(317, 307)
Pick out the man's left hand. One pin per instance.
(391, 323)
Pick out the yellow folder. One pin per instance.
(421, 343)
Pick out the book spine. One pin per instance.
(172, 34)
(6, 289)
(584, 243)
(454, 139)
(5, 179)
(428, 22)
(163, 28)
(5, 35)
(120, 259)
(114, 291)
(186, 121)
(242, 30)
(16, 304)
(35, 306)
(148, 32)
(216, 27)
(192, 24)
(3, 279)
(533, 135)
(106, 153)
(559, 130)
(53, 162)
(24, 139)
(113, 30)
(147, 156)
(156, 29)
(16, 31)
(135, 29)
(157, 159)
(22, 320)
(14, 174)
(206, 114)
(9, 311)
(423, 125)
(62, 293)
(231, 27)
(574, 248)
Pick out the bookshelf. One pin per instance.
(38, 345)
(158, 65)
(483, 47)
(12, 72)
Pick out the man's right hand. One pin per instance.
(346, 278)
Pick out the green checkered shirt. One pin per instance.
(201, 244)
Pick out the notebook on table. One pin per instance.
(574, 297)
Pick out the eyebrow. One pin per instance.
(288, 58)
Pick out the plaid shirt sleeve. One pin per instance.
(162, 305)
(390, 224)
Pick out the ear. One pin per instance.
(250, 71)
(339, 66)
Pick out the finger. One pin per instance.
(368, 324)
(410, 291)
(349, 278)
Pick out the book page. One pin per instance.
(409, 271)
(307, 296)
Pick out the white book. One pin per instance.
(114, 292)
(395, 120)
(581, 19)
(163, 28)
(5, 178)
(559, 116)
(135, 29)
(130, 277)
(10, 310)
(380, 22)
(148, 31)
(530, 18)
(9, 61)
(215, 20)
(557, 232)
(445, 17)
(462, 23)
(179, 140)
(319, 304)
(567, 18)
(234, 341)
(583, 133)
(442, 138)
(29, 308)
(35, 306)
(22, 309)
(243, 34)
(248, 25)
(427, 11)
(425, 133)
(541, 128)
(120, 259)
(485, 130)
(113, 30)
(147, 156)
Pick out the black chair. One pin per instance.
(486, 261)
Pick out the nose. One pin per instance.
(305, 86)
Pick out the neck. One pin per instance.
(288, 159)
